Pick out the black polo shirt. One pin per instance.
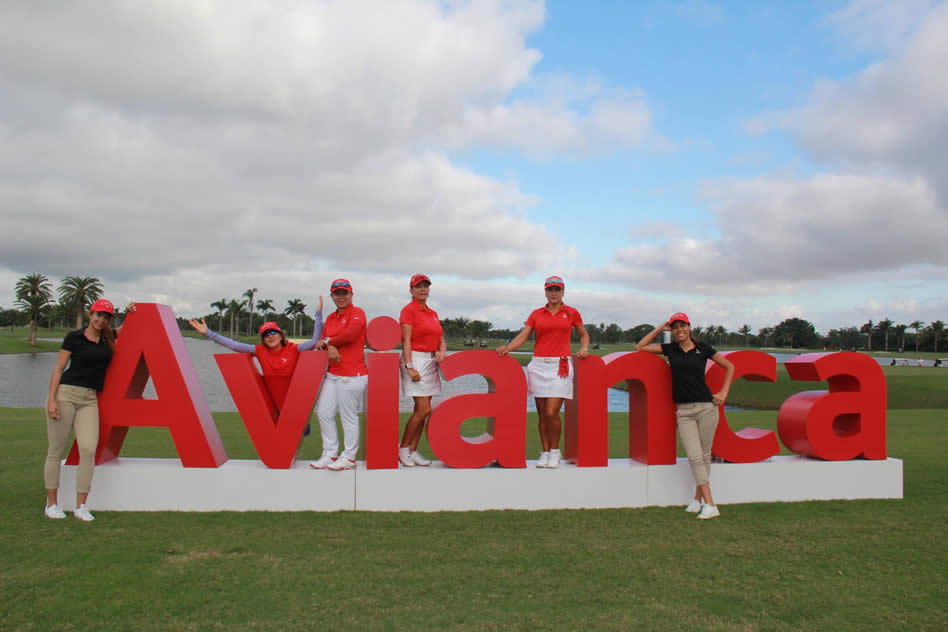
(87, 362)
(687, 369)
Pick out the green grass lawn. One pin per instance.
(841, 565)
(18, 340)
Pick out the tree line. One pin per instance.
(35, 302)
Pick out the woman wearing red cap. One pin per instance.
(550, 372)
(423, 348)
(697, 410)
(277, 356)
(72, 404)
(344, 384)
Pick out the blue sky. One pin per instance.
(745, 162)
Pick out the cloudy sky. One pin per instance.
(745, 162)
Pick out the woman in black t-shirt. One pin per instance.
(72, 404)
(697, 407)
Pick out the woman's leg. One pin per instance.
(707, 422)
(552, 422)
(691, 441)
(86, 427)
(350, 397)
(541, 423)
(57, 433)
(416, 423)
(326, 407)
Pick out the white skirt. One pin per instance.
(543, 378)
(430, 382)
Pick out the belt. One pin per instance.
(550, 360)
(425, 354)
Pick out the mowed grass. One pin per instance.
(18, 340)
(841, 565)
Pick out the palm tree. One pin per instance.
(722, 332)
(937, 327)
(916, 325)
(234, 309)
(34, 293)
(765, 333)
(220, 306)
(884, 326)
(265, 306)
(249, 294)
(294, 307)
(867, 329)
(78, 293)
(900, 335)
(745, 329)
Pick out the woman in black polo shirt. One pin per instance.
(72, 404)
(697, 411)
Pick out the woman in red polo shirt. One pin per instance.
(277, 356)
(344, 384)
(550, 372)
(423, 348)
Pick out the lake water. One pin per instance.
(24, 380)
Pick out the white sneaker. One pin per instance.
(694, 506)
(83, 514)
(708, 512)
(342, 463)
(404, 457)
(544, 460)
(55, 512)
(554, 459)
(323, 462)
(418, 459)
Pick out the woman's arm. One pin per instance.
(406, 352)
(721, 396)
(645, 344)
(317, 329)
(583, 341)
(201, 327)
(442, 351)
(128, 309)
(516, 342)
(52, 408)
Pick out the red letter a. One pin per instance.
(275, 438)
(151, 344)
(504, 405)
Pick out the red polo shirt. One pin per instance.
(426, 329)
(553, 331)
(278, 367)
(346, 332)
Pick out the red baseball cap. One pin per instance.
(679, 316)
(102, 305)
(418, 278)
(340, 284)
(268, 326)
(553, 281)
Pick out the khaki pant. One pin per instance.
(696, 425)
(78, 411)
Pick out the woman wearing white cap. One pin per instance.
(423, 348)
(72, 404)
(550, 372)
(697, 407)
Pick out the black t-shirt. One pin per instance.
(88, 361)
(687, 369)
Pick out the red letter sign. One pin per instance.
(504, 405)
(844, 423)
(275, 438)
(651, 410)
(749, 445)
(381, 411)
(151, 344)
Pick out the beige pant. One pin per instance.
(79, 411)
(696, 425)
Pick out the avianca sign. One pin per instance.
(846, 421)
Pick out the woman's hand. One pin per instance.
(130, 307)
(414, 375)
(502, 350)
(320, 304)
(719, 398)
(52, 409)
(198, 325)
(334, 355)
(440, 356)
(582, 353)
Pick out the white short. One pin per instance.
(543, 378)
(430, 382)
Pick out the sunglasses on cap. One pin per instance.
(270, 332)
(337, 284)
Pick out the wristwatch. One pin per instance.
(409, 365)
(326, 340)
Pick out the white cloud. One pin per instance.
(878, 24)
(189, 148)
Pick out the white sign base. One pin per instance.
(140, 484)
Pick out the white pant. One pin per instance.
(343, 395)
